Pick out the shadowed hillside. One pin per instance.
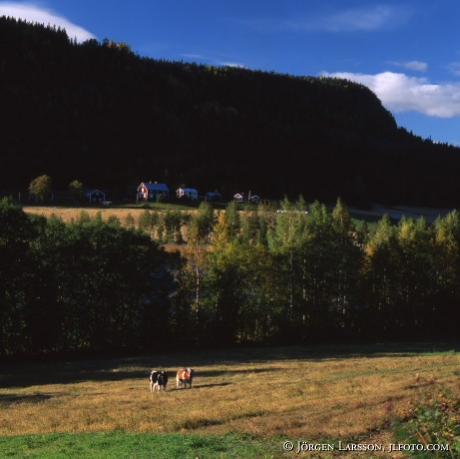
(98, 113)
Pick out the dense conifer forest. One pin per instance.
(98, 113)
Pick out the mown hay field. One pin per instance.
(73, 213)
(316, 394)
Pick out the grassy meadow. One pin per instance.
(122, 213)
(245, 403)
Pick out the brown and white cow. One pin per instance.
(184, 377)
(158, 379)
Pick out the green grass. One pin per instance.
(120, 445)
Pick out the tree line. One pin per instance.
(305, 274)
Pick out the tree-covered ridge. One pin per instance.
(101, 114)
(303, 275)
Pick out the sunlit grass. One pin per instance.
(299, 393)
(66, 214)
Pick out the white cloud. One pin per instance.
(365, 19)
(454, 67)
(231, 64)
(196, 57)
(413, 65)
(39, 14)
(401, 93)
(213, 60)
(355, 20)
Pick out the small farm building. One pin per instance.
(148, 190)
(94, 196)
(239, 197)
(188, 193)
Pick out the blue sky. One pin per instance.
(406, 51)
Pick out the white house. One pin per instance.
(150, 191)
(239, 197)
(188, 193)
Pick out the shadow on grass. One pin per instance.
(42, 374)
(26, 398)
(118, 369)
(215, 373)
(204, 386)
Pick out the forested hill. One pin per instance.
(98, 113)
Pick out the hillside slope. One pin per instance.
(98, 113)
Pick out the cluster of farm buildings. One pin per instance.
(154, 191)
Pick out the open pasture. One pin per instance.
(314, 393)
(67, 214)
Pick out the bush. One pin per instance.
(436, 420)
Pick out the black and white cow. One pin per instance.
(184, 377)
(158, 379)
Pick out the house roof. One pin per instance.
(188, 190)
(155, 186)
